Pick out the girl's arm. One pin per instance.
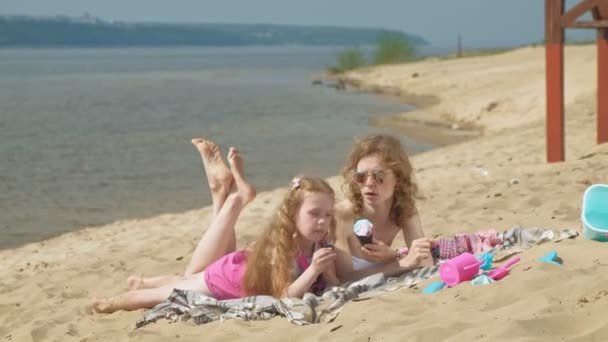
(302, 284)
(321, 261)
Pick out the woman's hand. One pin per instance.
(322, 258)
(378, 252)
(329, 275)
(417, 254)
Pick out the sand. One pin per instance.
(497, 180)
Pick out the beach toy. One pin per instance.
(551, 258)
(458, 269)
(363, 229)
(433, 287)
(594, 214)
(503, 270)
(487, 261)
(482, 279)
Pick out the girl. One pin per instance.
(379, 187)
(287, 260)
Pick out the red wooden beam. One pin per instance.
(595, 12)
(600, 12)
(588, 24)
(579, 9)
(602, 86)
(602, 8)
(554, 54)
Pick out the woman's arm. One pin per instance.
(330, 277)
(393, 268)
(413, 231)
(342, 243)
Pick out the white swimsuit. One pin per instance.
(360, 264)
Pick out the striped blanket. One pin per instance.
(184, 305)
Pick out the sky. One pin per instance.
(481, 23)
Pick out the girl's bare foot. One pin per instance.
(245, 190)
(218, 175)
(103, 305)
(134, 282)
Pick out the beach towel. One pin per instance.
(188, 305)
(508, 242)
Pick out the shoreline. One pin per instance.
(426, 128)
(497, 181)
(142, 165)
(428, 132)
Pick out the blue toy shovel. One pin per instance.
(434, 287)
(551, 258)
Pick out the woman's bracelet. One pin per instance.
(400, 252)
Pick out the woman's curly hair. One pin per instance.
(395, 158)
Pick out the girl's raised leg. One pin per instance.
(218, 175)
(220, 237)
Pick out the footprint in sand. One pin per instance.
(534, 202)
(40, 332)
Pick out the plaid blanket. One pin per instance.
(184, 305)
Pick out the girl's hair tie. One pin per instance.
(296, 183)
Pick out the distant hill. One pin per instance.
(88, 31)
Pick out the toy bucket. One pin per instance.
(458, 269)
(594, 214)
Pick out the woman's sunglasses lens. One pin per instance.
(379, 176)
(359, 176)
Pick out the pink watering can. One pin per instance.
(458, 269)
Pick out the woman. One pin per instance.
(378, 186)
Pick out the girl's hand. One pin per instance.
(418, 252)
(378, 252)
(322, 258)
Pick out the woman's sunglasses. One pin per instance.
(360, 177)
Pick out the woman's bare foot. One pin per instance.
(134, 282)
(245, 190)
(218, 175)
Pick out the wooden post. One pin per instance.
(554, 53)
(602, 86)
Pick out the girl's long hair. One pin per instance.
(394, 157)
(270, 264)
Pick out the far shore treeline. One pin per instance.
(88, 31)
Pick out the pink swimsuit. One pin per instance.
(224, 276)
